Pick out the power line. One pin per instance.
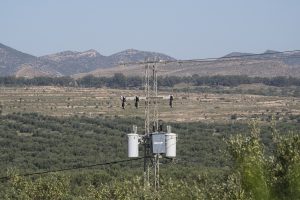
(183, 161)
(244, 56)
(73, 168)
(226, 58)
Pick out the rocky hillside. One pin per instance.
(79, 64)
(67, 63)
(132, 55)
(72, 62)
(269, 64)
(11, 59)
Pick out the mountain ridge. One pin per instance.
(269, 64)
(91, 62)
(237, 54)
(66, 63)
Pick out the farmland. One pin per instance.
(188, 107)
(51, 128)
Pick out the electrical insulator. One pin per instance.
(123, 99)
(171, 101)
(136, 101)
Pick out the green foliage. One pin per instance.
(285, 165)
(128, 189)
(275, 176)
(55, 188)
(33, 142)
(46, 188)
(293, 177)
(250, 163)
(201, 187)
(121, 81)
(264, 164)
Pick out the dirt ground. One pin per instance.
(91, 102)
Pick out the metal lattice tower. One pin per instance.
(147, 100)
(147, 150)
(155, 126)
(151, 163)
(156, 142)
(155, 102)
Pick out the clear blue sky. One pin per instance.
(183, 29)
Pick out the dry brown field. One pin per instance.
(91, 102)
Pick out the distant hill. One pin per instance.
(132, 55)
(236, 54)
(11, 60)
(91, 62)
(66, 63)
(265, 65)
(270, 51)
(72, 62)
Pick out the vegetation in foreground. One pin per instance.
(263, 164)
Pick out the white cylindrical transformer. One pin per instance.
(133, 145)
(169, 129)
(170, 145)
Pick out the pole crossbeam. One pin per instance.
(150, 97)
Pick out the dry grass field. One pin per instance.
(91, 102)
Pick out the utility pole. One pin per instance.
(151, 162)
(147, 145)
(154, 141)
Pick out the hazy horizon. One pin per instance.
(181, 29)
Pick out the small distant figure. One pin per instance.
(123, 99)
(136, 102)
(171, 101)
